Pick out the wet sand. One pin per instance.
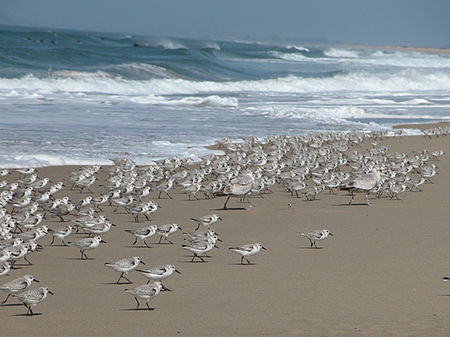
(380, 275)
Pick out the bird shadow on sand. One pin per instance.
(115, 283)
(26, 315)
(77, 258)
(353, 204)
(11, 305)
(230, 209)
(138, 309)
(242, 264)
(309, 248)
(140, 247)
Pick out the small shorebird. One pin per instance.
(363, 183)
(159, 272)
(316, 235)
(206, 220)
(17, 285)
(147, 291)
(165, 187)
(247, 250)
(199, 248)
(166, 230)
(125, 265)
(143, 233)
(240, 187)
(32, 297)
(86, 244)
(62, 233)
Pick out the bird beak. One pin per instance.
(36, 280)
(113, 225)
(177, 271)
(180, 228)
(103, 241)
(219, 240)
(331, 234)
(220, 218)
(263, 248)
(165, 289)
(216, 247)
(142, 262)
(50, 293)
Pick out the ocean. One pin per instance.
(71, 97)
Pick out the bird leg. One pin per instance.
(6, 298)
(226, 201)
(135, 240)
(146, 244)
(137, 302)
(121, 276)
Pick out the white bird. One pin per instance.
(165, 187)
(206, 220)
(17, 285)
(159, 272)
(247, 250)
(363, 183)
(238, 187)
(316, 235)
(143, 233)
(125, 265)
(86, 244)
(147, 291)
(199, 248)
(62, 233)
(166, 230)
(32, 297)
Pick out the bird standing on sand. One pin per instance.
(206, 220)
(87, 243)
(316, 235)
(147, 291)
(125, 265)
(240, 187)
(363, 183)
(247, 250)
(17, 285)
(32, 297)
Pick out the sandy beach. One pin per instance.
(379, 275)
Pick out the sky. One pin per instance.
(424, 23)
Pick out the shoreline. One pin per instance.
(214, 147)
(380, 274)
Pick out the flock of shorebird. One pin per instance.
(307, 164)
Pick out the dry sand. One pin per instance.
(380, 275)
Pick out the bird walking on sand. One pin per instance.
(363, 183)
(146, 292)
(316, 235)
(199, 248)
(32, 297)
(86, 244)
(158, 272)
(166, 230)
(17, 285)
(247, 250)
(206, 220)
(143, 233)
(240, 187)
(124, 266)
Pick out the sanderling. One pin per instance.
(247, 250)
(165, 187)
(124, 266)
(143, 233)
(159, 272)
(17, 285)
(316, 235)
(62, 233)
(147, 291)
(86, 244)
(238, 187)
(365, 183)
(32, 297)
(199, 248)
(206, 220)
(166, 230)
